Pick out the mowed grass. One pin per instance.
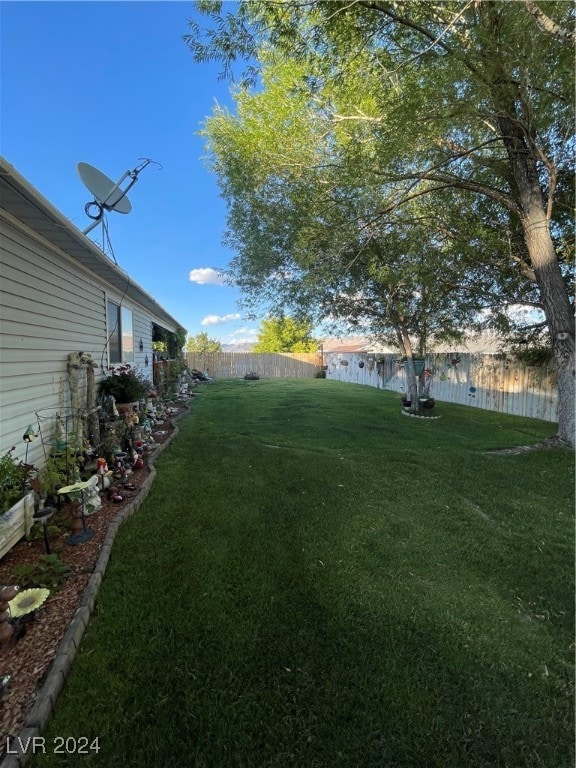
(317, 581)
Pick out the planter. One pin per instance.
(126, 409)
(419, 367)
(16, 523)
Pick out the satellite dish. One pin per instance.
(108, 196)
(105, 191)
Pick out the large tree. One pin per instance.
(428, 99)
(285, 334)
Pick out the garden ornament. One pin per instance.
(6, 629)
(43, 515)
(27, 601)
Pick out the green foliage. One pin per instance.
(168, 342)
(393, 164)
(202, 343)
(59, 469)
(285, 334)
(168, 375)
(13, 476)
(50, 573)
(128, 386)
(534, 356)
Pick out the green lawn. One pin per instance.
(316, 581)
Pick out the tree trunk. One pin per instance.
(411, 379)
(552, 288)
(559, 317)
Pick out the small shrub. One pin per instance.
(50, 572)
(13, 477)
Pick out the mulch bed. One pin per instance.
(28, 658)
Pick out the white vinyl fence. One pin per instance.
(493, 382)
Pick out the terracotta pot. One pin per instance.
(125, 409)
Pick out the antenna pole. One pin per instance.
(117, 186)
(91, 227)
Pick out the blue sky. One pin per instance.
(108, 83)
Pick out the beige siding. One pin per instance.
(142, 325)
(49, 306)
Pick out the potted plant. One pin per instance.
(419, 363)
(16, 501)
(126, 385)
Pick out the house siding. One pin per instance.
(49, 306)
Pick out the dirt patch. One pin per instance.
(548, 444)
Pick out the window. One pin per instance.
(127, 335)
(120, 334)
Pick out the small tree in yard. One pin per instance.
(202, 343)
(285, 334)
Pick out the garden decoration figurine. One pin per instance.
(4, 683)
(78, 491)
(114, 494)
(26, 602)
(6, 629)
(101, 470)
(28, 437)
(425, 400)
(120, 468)
(90, 498)
(126, 385)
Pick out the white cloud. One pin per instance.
(207, 276)
(219, 319)
(245, 332)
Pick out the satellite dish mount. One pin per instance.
(108, 196)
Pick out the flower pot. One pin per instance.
(126, 409)
(16, 523)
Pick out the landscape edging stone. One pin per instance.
(43, 709)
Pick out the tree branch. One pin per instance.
(545, 23)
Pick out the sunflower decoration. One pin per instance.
(27, 601)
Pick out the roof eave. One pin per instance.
(19, 198)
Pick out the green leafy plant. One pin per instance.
(59, 469)
(168, 374)
(126, 386)
(54, 530)
(50, 572)
(13, 477)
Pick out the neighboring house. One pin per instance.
(355, 344)
(59, 294)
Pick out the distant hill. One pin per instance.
(237, 347)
